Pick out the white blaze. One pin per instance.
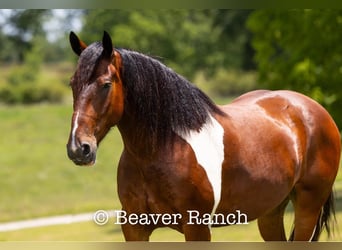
(209, 150)
(73, 133)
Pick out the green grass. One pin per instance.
(37, 179)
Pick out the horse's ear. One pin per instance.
(107, 45)
(76, 44)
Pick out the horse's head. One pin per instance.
(98, 97)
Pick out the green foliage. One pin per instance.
(28, 93)
(227, 83)
(186, 40)
(7, 48)
(29, 71)
(301, 50)
(25, 83)
(24, 26)
(235, 38)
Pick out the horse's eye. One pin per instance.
(107, 85)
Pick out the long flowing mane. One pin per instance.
(162, 101)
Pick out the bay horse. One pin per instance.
(184, 153)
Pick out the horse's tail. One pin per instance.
(326, 220)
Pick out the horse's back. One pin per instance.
(312, 128)
(283, 104)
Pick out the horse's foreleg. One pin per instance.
(136, 232)
(196, 232)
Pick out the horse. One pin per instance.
(187, 160)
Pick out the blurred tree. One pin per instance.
(24, 82)
(22, 26)
(301, 50)
(187, 40)
(7, 48)
(235, 38)
(172, 34)
(29, 72)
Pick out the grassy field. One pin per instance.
(37, 179)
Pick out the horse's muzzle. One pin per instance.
(84, 154)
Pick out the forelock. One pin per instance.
(87, 62)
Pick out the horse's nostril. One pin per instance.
(84, 154)
(85, 149)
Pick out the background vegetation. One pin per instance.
(225, 52)
(233, 51)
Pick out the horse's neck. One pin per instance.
(134, 141)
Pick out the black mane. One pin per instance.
(162, 101)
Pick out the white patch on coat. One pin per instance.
(208, 147)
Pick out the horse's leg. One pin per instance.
(196, 232)
(271, 225)
(136, 232)
(308, 205)
(312, 194)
